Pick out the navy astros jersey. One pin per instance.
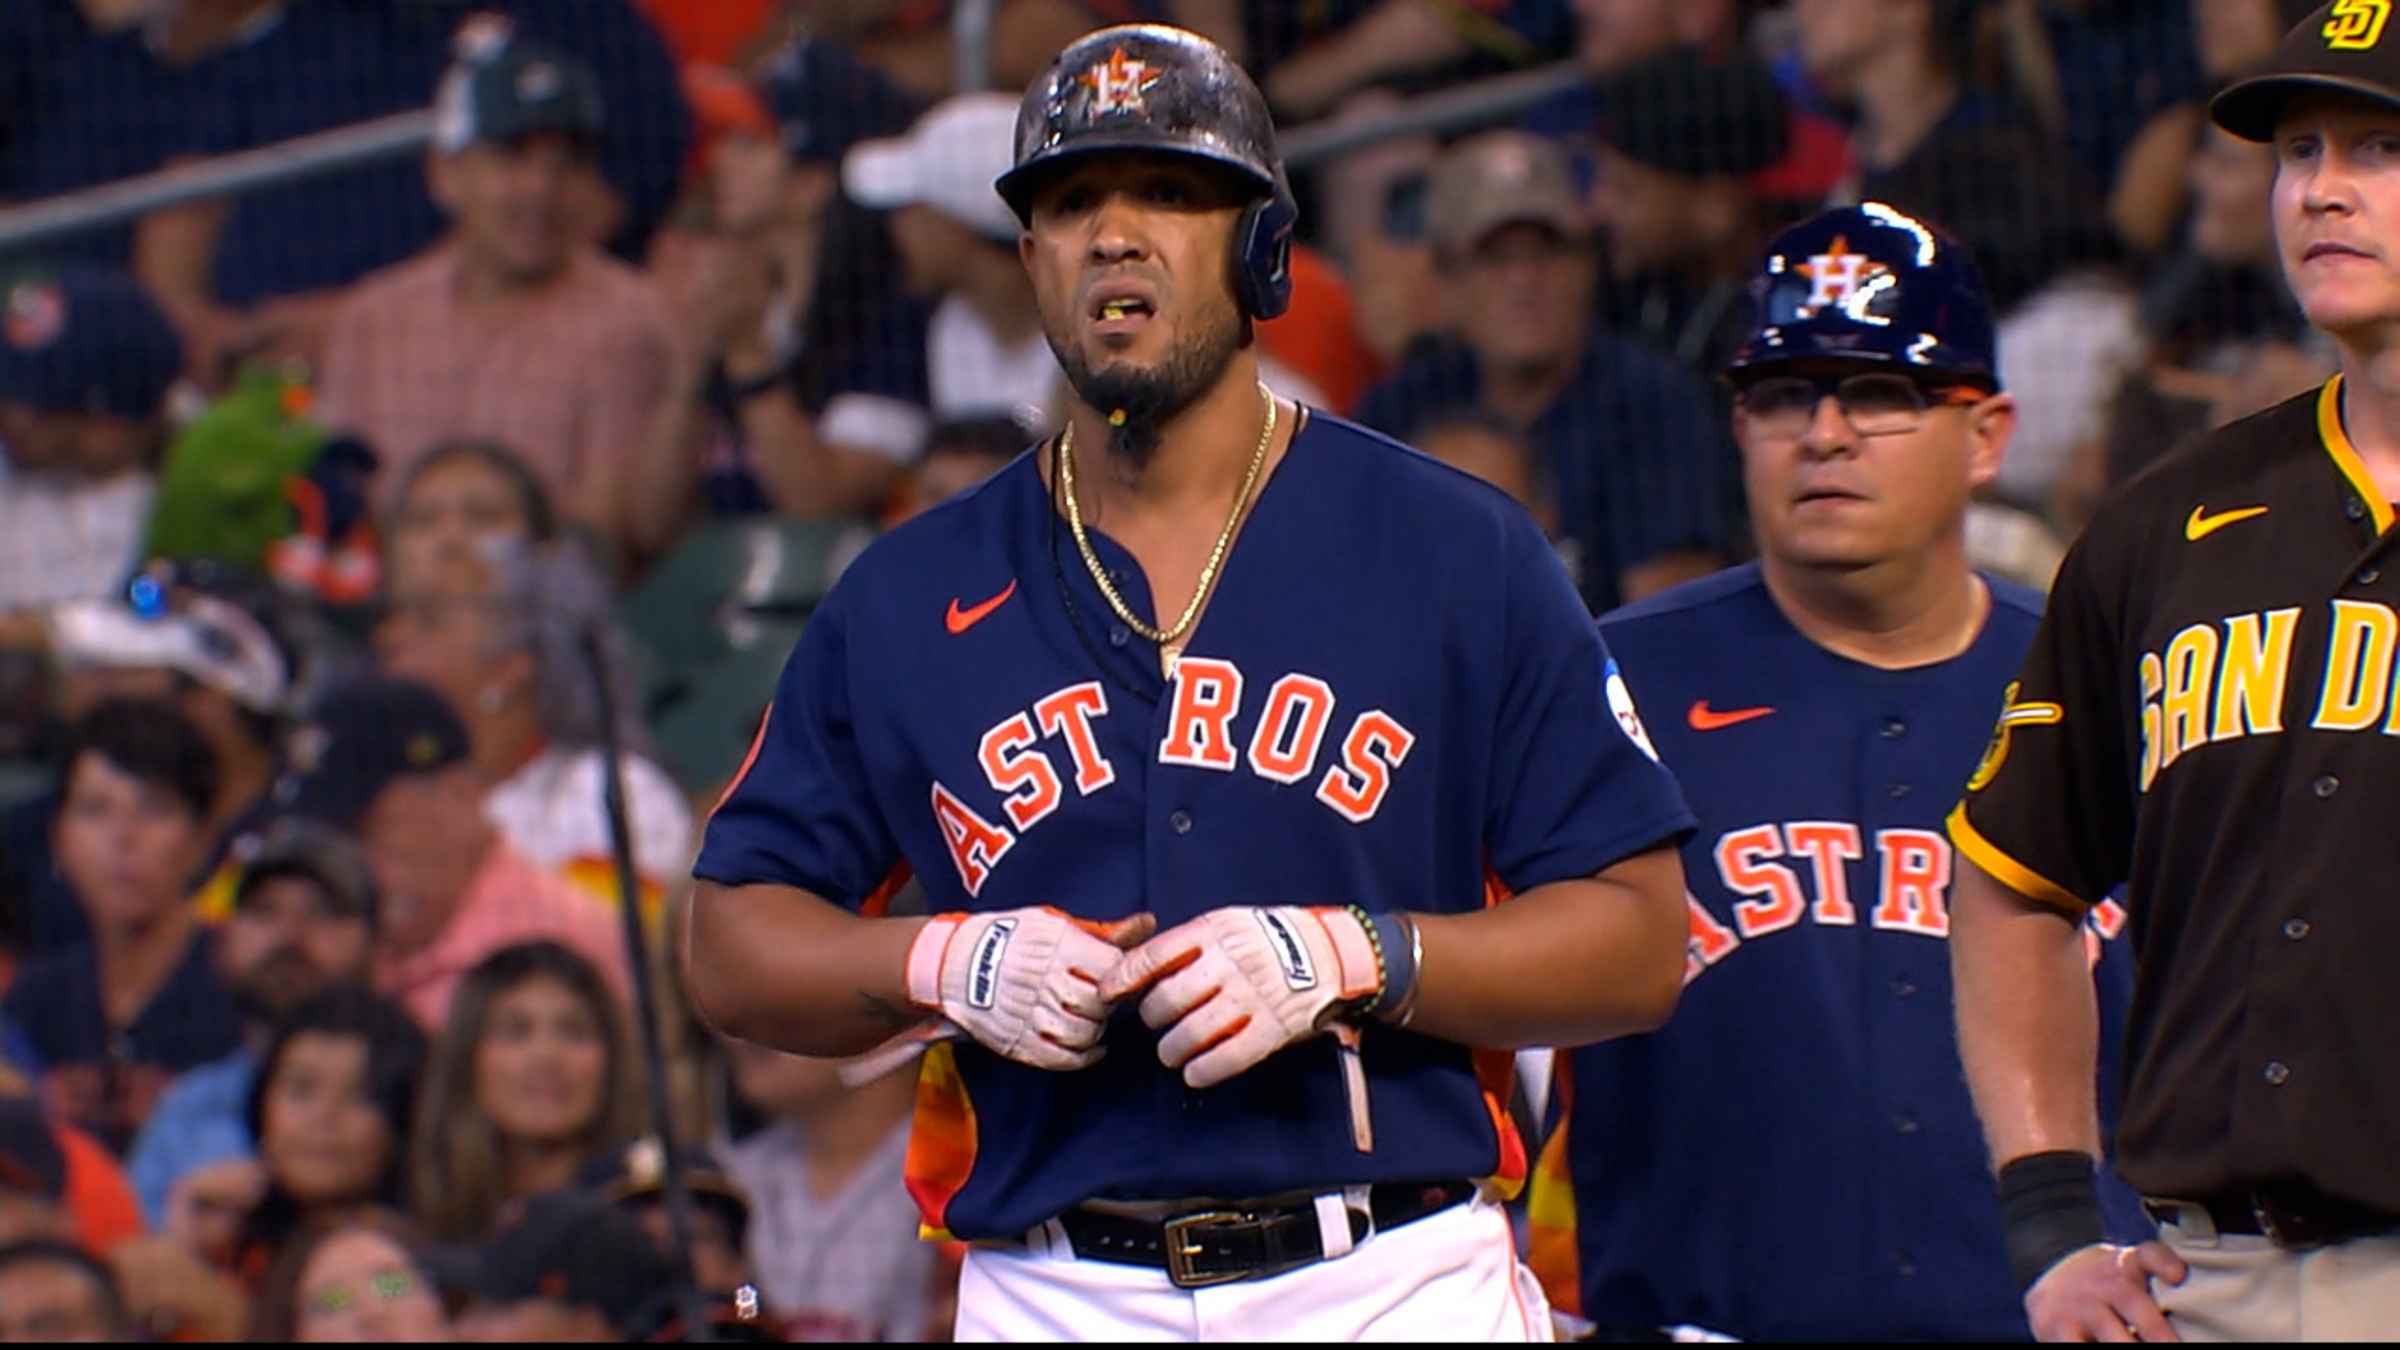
(1394, 698)
(1794, 1155)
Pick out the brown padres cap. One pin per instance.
(2342, 46)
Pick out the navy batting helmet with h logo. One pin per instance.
(1870, 283)
(1161, 90)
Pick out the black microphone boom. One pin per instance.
(689, 1307)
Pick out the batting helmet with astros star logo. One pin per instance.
(1870, 283)
(1162, 90)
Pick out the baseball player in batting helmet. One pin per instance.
(1794, 1156)
(1266, 778)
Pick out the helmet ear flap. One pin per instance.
(1262, 255)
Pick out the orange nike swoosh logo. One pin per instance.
(960, 620)
(2202, 524)
(1703, 718)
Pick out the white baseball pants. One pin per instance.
(1452, 1276)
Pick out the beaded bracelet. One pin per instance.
(1395, 964)
(1383, 969)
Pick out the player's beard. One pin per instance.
(1149, 396)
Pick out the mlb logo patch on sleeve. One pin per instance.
(1620, 703)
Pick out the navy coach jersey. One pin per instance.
(1394, 698)
(1795, 1155)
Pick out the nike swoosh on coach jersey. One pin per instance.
(960, 620)
(1703, 718)
(2202, 524)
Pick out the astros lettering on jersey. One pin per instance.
(1794, 1155)
(1356, 719)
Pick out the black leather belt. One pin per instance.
(2291, 1214)
(1245, 1241)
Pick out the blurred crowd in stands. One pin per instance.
(345, 526)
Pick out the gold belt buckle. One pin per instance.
(1180, 1250)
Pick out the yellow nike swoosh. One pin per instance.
(2202, 524)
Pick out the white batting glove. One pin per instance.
(1023, 982)
(1237, 985)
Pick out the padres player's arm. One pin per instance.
(2047, 821)
(2028, 1018)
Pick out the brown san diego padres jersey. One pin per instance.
(2209, 715)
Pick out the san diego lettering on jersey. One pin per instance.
(2244, 594)
(2223, 680)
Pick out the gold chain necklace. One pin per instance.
(1216, 555)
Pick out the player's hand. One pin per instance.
(2102, 1293)
(1236, 985)
(1023, 982)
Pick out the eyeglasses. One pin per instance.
(1783, 406)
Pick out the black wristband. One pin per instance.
(1399, 965)
(2050, 1203)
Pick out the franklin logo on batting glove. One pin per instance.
(1024, 983)
(984, 977)
(1234, 986)
(1298, 971)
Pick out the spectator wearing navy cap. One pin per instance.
(86, 363)
(303, 922)
(1681, 139)
(514, 328)
(388, 760)
(103, 1027)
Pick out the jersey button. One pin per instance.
(2276, 1073)
(1903, 1264)
(1898, 790)
(1905, 988)
(1119, 635)
(1905, 1124)
(2326, 785)
(2355, 509)
(1894, 728)
(2295, 929)
(2368, 576)
(1180, 822)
